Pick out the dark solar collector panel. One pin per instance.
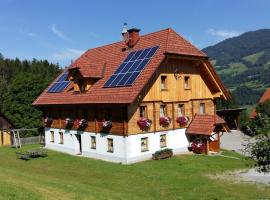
(131, 67)
(60, 84)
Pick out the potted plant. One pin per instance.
(48, 120)
(182, 120)
(162, 154)
(144, 123)
(69, 121)
(164, 121)
(106, 123)
(80, 123)
(198, 147)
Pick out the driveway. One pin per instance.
(235, 140)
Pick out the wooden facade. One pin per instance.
(190, 94)
(5, 126)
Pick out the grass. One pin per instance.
(61, 176)
(233, 69)
(254, 57)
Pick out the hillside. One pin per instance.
(243, 64)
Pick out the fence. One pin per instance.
(33, 140)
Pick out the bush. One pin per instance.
(260, 152)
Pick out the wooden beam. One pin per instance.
(154, 116)
(173, 115)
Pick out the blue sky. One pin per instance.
(61, 30)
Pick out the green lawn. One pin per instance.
(61, 176)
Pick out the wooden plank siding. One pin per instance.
(175, 93)
(95, 115)
(124, 117)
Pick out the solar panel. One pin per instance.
(131, 67)
(60, 84)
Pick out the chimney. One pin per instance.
(133, 37)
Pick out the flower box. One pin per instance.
(162, 154)
(182, 120)
(106, 124)
(144, 123)
(81, 123)
(48, 120)
(198, 147)
(164, 121)
(69, 121)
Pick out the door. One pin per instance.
(214, 145)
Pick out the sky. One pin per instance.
(61, 30)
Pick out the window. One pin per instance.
(163, 141)
(110, 145)
(163, 82)
(202, 108)
(52, 136)
(143, 111)
(187, 82)
(93, 142)
(61, 135)
(144, 144)
(181, 110)
(81, 85)
(162, 111)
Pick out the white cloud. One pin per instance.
(59, 33)
(67, 54)
(224, 34)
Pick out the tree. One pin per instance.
(264, 108)
(17, 104)
(260, 126)
(260, 150)
(21, 82)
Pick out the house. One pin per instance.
(5, 126)
(264, 97)
(123, 101)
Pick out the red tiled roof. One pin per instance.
(264, 97)
(204, 124)
(91, 64)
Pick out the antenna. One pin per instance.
(125, 34)
(124, 29)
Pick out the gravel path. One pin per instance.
(235, 141)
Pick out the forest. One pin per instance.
(21, 82)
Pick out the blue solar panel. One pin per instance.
(60, 84)
(131, 67)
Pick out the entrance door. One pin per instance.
(214, 145)
(79, 138)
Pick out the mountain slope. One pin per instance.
(243, 64)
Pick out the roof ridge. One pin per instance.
(113, 43)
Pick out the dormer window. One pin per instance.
(81, 85)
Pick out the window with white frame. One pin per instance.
(202, 108)
(52, 136)
(143, 112)
(163, 140)
(163, 82)
(110, 145)
(61, 138)
(93, 142)
(180, 110)
(187, 82)
(144, 144)
(162, 111)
